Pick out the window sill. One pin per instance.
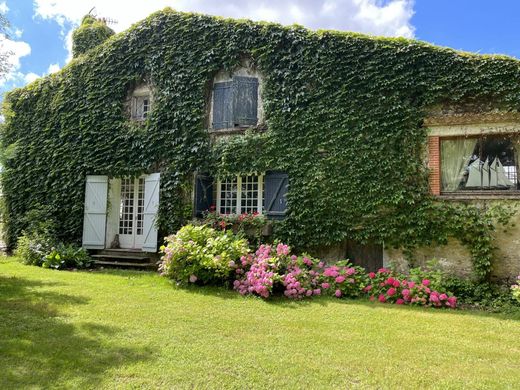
(235, 130)
(480, 195)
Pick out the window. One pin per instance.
(141, 105)
(235, 103)
(486, 163)
(240, 195)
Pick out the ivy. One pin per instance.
(344, 118)
(91, 33)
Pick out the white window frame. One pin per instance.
(260, 205)
(141, 94)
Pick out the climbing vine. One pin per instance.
(91, 33)
(344, 116)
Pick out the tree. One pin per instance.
(5, 66)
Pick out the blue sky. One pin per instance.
(41, 29)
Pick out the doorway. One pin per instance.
(131, 213)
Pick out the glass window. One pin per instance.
(480, 163)
(140, 107)
(240, 195)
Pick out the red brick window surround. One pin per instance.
(434, 164)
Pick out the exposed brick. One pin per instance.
(434, 164)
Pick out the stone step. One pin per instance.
(127, 258)
(124, 253)
(124, 264)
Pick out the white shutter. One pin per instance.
(151, 205)
(95, 217)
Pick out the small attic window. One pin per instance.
(141, 104)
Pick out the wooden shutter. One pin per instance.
(223, 105)
(95, 215)
(151, 205)
(203, 194)
(276, 186)
(245, 101)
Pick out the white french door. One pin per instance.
(131, 213)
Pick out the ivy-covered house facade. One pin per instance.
(375, 149)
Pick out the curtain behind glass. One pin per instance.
(455, 156)
(516, 145)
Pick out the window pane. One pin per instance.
(249, 194)
(485, 163)
(228, 196)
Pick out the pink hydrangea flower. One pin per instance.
(340, 279)
(381, 298)
(317, 291)
(411, 284)
(391, 291)
(193, 278)
(426, 282)
(443, 297)
(399, 301)
(338, 293)
(396, 283)
(325, 285)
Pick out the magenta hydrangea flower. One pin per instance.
(340, 279)
(338, 293)
(391, 291)
(371, 275)
(426, 282)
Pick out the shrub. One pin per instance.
(33, 247)
(344, 280)
(201, 253)
(388, 286)
(67, 256)
(515, 288)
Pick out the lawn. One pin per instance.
(124, 329)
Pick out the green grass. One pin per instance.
(123, 329)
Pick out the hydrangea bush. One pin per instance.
(515, 288)
(201, 253)
(206, 255)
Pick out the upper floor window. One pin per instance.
(141, 103)
(480, 163)
(235, 103)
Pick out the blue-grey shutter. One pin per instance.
(245, 101)
(203, 194)
(275, 192)
(223, 105)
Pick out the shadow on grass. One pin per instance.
(39, 348)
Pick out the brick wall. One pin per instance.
(434, 164)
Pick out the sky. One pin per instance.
(40, 32)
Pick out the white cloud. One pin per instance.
(53, 68)
(30, 77)
(17, 33)
(3, 7)
(379, 17)
(18, 49)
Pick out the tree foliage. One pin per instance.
(344, 114)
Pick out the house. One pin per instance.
(356, 146)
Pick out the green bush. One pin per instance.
(67, 256)
(515, 288)
(33, 247)
(203, 254)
